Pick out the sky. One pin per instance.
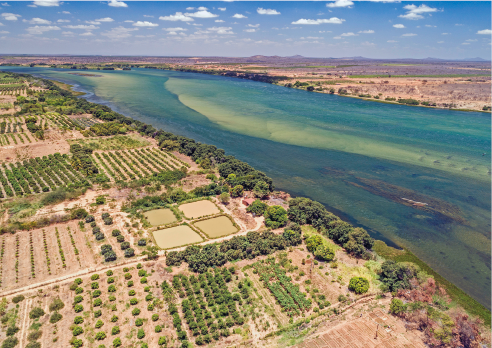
(341, 28)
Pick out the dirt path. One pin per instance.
(23, 310)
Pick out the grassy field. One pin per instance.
(118, 142)
(67, 87)
(456, 294)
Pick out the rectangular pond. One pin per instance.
(176, 236)
(160, 217)
(197, 209)
(217, 227)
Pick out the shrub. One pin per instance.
(114, 319)
(324, 252)
(139, 266)
(55, 317)
(143, 280)
(135, 311)
(73, 286)
(150, 307)
(10, 342)
(78, 320)
(12, 330)
(97, 302)
(96, 230)
(99, 236)
(89, 218)
(36, 313)
(79, 291)
(76, 342)
(100, 336)
(130, 283)
(149, 297)
(158, 329)
(109, 273)
(120, 239)
(18, 298)
(56, 305)
(115, 330)
(313, 242)
(111, 288)
(97, 313)
(129, 252)
(117, 342)
(397, 306)
(95, 285)
(115, 233)
(109, 256)
(105, 248)
(124, 245)
(155, 317)
(77, 331)
(33, 345)
(131, 292)
(96, 293)
(79, 214)
(162, 340)
(110, 280)
(142, 273)
(108, 221)
(142, 242)
(140, 334)
(99, 324)
(133, 301)
(237, 191)
(257, 207)
(100, 200)
(139, 322)
(359, 285)
(128, 276)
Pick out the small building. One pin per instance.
(248, 201)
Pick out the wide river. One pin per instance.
(363, 160)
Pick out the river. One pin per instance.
(358, 158)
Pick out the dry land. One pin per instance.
(176, 236)
(160, 217)
(198, 209)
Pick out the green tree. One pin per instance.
(237, 191)
(261, 189)
(397, 307)
(313, 242)
(257, 207)
(324, 252)
(36, 313)
(359, 285)
(225, 197)
(275, 216)
(170, 145)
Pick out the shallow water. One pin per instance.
(358, 158)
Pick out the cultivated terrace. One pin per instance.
(117, 234)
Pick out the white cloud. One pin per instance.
(337, 37)
(63, 21)
(386, 1)
(221, 30)
(93, 22)
(202, 8)
(484, 32)
(219, 21)
(431, 26)
(249, 30)
(4, 32)
(10, 16)
(221, 8)
(5, 4)
(148, 16)
(391, 41)
(67, 33)
(465, 43)
(366, 32)
(238, 15)
(324, 31)
(190, 8)
(458, 25)
(105, 19)
(340, 3)
(177, 17)
(445, 34)
(116, 3)
(253, 25)
(46, 3)
(472, 40)
(348, 34)
(64, 12)
(440, 42)
(367, 43)
(145, 24)
(265, 11)
(201, 14)
(332, 20)
(398, 26)
(129, 21)
(409, 34)
(415, 12)
(38, 30)
(87, 33)
(118, 33)
(81, 26)
(37, 21)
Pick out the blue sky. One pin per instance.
(342, 28)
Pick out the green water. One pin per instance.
(358, 158)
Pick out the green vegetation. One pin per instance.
(359, 285)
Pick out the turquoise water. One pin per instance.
(358, 158)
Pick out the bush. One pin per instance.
(237, 191)
(124, 245)
(120, 239)
(76, 342)
(99, 236)
(324, 252)
(105, 248)
(359, 285)
(128, 276)
(110, 256)
(397, 306)
(110, 280)
(12, 330)
(115, 330)
(116, 233)
(100, 336)
(162, 340)
(96, 230)
(97, 302)
(313, 242)
(275, 216)
(100, 200)
(133, 301)
(97, 313)
(79, 291)
(79, 214)
(10, 342)
(95, 285)
(261, 189)
(99, 324)
(139, 322)
(18, 299)
(131, 292)
(33, 345)
(143, 280)
(36, 313)
(158, 329)
(117, 342)
(155, 317)
(114, 319)
(140, 334)
(111, 288)
(108, 221)
(129, 252)
(142, 242)
(77, 331)
(96, 293)
(130, 283)
(78, 320)
(135, 311)
(89, 219)
(56, 305)
(55, 317)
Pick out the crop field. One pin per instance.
(40, 174)
(135, 164)
(198, 209)
(216, 227)
(160, 217)
(176, 236)
(84, 122)
(117, 142)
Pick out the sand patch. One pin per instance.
(176, 236)
(217, 227)
(197, 209)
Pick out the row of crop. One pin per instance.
(19, 185)
(105, 166)
(46, 253)
(170, 159)
(31, 248)
(153, 158)
(60, 249)
(131, 163)
(160, 156)
(142, 161)
(12, 127)
(6, 186)
(84, 122)
(2, 252)
(177, 159)
(17, 244)
(111, 159)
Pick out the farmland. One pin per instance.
(114, 234)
